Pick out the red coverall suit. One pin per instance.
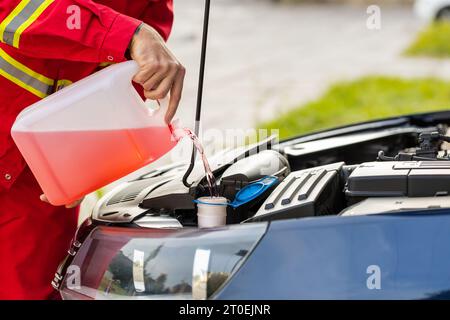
(41, 50)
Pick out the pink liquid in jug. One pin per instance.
(71, 164)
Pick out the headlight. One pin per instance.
(138, 263)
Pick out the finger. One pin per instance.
(44, 198)
(74, 204)
(154, 81)
(175, 96)
(145, 73)
(163, 89)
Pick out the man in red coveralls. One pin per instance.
(44, 46)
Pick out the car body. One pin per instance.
(343, 221)
(431, 10)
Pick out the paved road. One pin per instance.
(265, 58)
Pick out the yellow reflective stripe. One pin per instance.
(106, 64)
(24, 77)
(28, 22)
(25, 69)
(11, 16)
(22, 84)
(61, 84)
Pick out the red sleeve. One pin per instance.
(77, 30)
(159, 15)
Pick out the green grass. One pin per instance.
(434, 42)
(364, 99)
(100, 193)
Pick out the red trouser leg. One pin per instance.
(34, 238)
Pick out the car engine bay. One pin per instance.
(386, 166)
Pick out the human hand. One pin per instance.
(74, 204)
(160, 73)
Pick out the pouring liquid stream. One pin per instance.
(211, 180)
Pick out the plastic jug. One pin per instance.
(90, 134)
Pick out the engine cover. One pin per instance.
(399, 179)
(304, 193)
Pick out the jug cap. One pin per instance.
(177, 130)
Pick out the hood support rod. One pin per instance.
(200, 90)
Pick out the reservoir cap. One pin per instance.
(253, 191)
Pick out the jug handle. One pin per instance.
(129, 69)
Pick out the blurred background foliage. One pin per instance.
(371, 97)
(377, 96)
(433, 41)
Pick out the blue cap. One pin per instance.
(253, 191)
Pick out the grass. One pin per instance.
(434, 42)
(100, 193)
(364, 99)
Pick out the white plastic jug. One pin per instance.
(91, 133)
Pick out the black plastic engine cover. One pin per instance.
(304, 193)
(399, 179)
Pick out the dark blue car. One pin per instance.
(358, 212)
